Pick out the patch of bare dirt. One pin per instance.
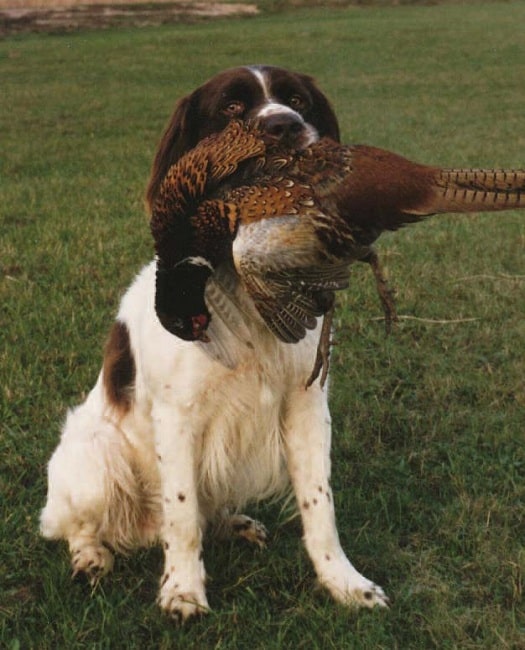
(63, 16)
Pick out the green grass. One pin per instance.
(429, 455)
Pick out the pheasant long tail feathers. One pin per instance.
(473, 190)
(470, 190)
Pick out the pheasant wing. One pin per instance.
(240, 141)
(287, 273)
(193, 179)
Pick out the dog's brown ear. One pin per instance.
(180, 136)
(323, 117)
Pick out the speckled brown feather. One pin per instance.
(294, 221)
(181, 216)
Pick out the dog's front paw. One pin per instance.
(179, 601)
(350, 588)
(93, 560)
(369, 595)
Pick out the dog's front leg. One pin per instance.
(308, 438)
(182, 592)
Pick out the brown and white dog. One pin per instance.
(179, 435)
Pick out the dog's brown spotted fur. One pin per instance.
(119, 368)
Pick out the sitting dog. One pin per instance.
(176, 435)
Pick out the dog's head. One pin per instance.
(288, 105)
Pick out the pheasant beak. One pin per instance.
(199, 324)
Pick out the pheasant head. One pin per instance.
(179, 298)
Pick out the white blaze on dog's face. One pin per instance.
(284, 121)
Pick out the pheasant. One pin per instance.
(293, 221)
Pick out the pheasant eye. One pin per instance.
(233, 109)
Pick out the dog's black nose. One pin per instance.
(283, 126)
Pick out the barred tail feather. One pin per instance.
(476, 190)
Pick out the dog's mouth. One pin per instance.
(295, 139)
(287, 130)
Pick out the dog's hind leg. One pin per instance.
(93, 500)
(229, 525)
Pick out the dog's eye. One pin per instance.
(296, 102)
(233, 109)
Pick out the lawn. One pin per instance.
(429, 423)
